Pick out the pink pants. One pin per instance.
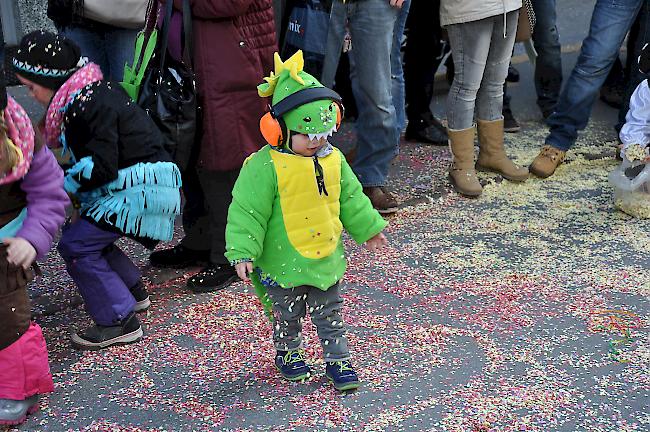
(24, 369)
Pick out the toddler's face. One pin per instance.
(302, 145)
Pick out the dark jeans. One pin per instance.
(207, 197)
(610, 22)
(422, 57)
(548, 68)
(639, 36)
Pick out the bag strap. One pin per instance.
(169, 4)
(188, 49)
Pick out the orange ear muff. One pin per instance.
(271, 130)
(339, 114)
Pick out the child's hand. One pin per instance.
(243, 270)
(20, 252)
(376, 242)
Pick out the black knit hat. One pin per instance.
(47, 59)
(644, 59)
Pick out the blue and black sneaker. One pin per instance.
(342, 375)
(291, 364)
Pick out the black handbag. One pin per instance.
(168, 92)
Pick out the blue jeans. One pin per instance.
(548, 68)
(110, 49)
(371, 24)
(481, 59)
(610, 22)
(396, 70)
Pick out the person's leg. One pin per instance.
(396, 69)
(106, 297)
(548, 67)
(217, 187)
(640, 37)
(122, 265)
(120, 43)
(470, 44)
(424, 36)
(91, 44)
(489, 102)
(325, 311)
(371, 24)
(194, 248)
(335, 35)
(289, 308)
(610, 23)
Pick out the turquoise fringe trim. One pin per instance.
(11, 228)
(143, 201)
(83, 168)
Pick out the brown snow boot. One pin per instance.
(492, 156)
(461, 172)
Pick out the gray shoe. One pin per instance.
(13, 412)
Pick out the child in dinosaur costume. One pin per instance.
(290, 204)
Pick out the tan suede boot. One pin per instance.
(492, 156)
(462, 173)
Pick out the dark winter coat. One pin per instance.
(234, 44)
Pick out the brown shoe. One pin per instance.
(547, 161)
(382, 200)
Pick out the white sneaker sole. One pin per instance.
(128, 338)
(142, 305)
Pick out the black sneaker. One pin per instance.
(179, 257)
(510, 123)
(513, 74)
(212, 278)
(139, 292)
(99, 337)
(426, 132)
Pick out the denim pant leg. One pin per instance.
(470, 45)
(548, 67)
(335, 36)
(122, 265)
(289, 308)
(489, 99)
(610, 22)
(325, 311)
(120, 45)
(195, 217)
(106, 297)
(371, 26)
(91, 44)
(396, 69)
(635, 78)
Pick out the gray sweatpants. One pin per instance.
(289, 309)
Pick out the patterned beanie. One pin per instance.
(47, 59)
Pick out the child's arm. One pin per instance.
(46, 202)
(250, 210)
(637, 123)
(358, 216)
(101, 166)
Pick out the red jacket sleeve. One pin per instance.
(215, 9)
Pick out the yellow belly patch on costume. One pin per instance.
(311, 219)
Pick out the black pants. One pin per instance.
(207, 197)
(422, 56)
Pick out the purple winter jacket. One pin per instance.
(46, 201)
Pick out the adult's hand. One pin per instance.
(398, 3)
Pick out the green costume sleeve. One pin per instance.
(358, 216)
(250, 210)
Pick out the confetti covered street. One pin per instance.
(523, 310)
